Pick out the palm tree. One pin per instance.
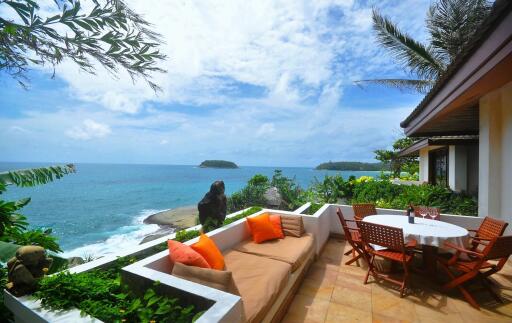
(451, 25)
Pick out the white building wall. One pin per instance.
(457, 168)
(495, 154)
(423, 176)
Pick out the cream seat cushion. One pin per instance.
(291, 250)
(259, 281)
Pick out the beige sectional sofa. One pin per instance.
(266, 275)
(267, 271)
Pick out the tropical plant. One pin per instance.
(397, 163)
(451, 25)
(101, 294)
(388, 195)
(110, 33)
(13, 225)
(250, 195)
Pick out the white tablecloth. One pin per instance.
(424, 231)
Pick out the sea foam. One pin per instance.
(123, 238)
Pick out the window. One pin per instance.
(438, 167)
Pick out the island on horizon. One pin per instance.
(217, 164)
(353, 166)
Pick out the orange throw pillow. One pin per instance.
(276, 222)
(179, 252)
(208, 249)
(261, 228)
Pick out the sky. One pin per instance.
(262, 83)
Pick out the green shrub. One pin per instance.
(242, 215)
(250, 195)
(388, 195)
(101, 294)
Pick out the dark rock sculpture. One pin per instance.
(24, 269)
(212, 208)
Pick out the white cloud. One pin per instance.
(89, 129)
(301, 56)
(287, 47)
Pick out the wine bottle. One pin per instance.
(410, 213)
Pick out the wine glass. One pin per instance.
(423, 213)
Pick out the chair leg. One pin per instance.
(406, 279)
(457, 282)
(370, 269)
(349, 252)
(355, 258)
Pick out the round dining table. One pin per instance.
(430, 234)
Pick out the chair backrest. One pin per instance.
(499, 248)
(344, 225)
(491, 228)
(363, 209)
(433, 212)
(382, 235)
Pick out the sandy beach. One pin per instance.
(180, 218)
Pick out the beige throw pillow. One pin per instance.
(218, 279)
(292, 225)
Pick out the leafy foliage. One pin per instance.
(13, 225)
(387, 195)
(101, 294)
(451, 24)
(36, 176)
(111, 34)
(250, 195)
(396, 163)
(242, 215)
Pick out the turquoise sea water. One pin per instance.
(101, 208)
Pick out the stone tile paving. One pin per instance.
(333, 292)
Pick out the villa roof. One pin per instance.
(499, 13)
(413, 150)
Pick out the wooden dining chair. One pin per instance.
(362, 210)
(489, 229)
(353, 237)
(434, 213)
(392, 239)
(476, 265)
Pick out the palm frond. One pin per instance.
(35, 176)
(452, 23)
(417, 58)
(422, 86)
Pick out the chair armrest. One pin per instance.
(463, 250)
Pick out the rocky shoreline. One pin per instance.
(171, 220)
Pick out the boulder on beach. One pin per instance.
(272, 197)
(180, 218)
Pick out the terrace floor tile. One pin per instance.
(334, 292)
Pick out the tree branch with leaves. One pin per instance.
(111, 34)
(451, 25)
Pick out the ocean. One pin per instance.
(100, 209)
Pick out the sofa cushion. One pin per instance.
(259, 280)
(179, 252)
(207, 248)
(291, 250)
(261, 228)
(292, 225)
(218, 279)
(276, 223)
